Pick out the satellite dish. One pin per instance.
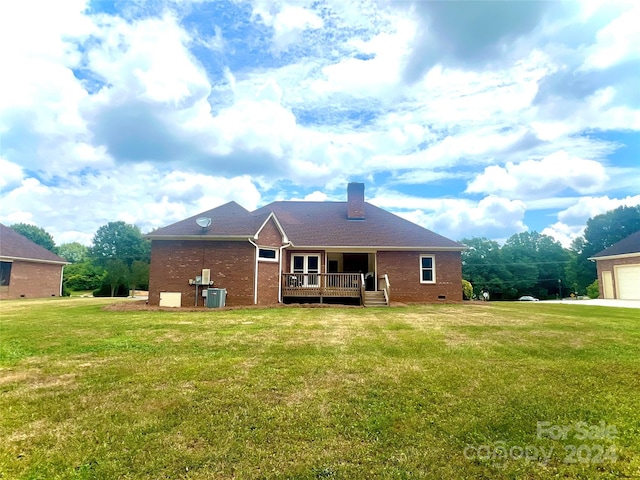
(204, 222)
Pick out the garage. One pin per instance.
(619, 269)
(628, 282)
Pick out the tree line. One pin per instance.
(530, 263)
(116, 263)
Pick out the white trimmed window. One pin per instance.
(268, 254)
(427, 269)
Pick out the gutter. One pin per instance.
(255, 274)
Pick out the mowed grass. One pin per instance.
(441, 391)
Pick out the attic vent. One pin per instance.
(355, 201)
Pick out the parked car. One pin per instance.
(528, 298)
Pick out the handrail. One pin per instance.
(362, 289)
(387, 289)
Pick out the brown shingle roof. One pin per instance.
(314, 224)
(228, 220)
(325, 224)
(630, 244)
(14, 245)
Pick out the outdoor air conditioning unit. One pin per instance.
(206, 276)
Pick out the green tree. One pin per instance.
(483, 266)
(36, 234)
(139, 276)
(122, 241)
(117, 274)
(73, 252)
(83, 276)
(537, 263)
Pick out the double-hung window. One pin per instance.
(427, 269)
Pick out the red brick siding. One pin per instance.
(269, 236)
(403, 269)
(174, 262)
(607, 265)
(268, 282)
(32, 280)
(269, 272)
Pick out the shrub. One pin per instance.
(593, 290)
(467, 289)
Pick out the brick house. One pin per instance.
(619, 269)
(288, 251)
(27, 270)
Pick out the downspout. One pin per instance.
(255, 275)
(288, 244)
(61, 279)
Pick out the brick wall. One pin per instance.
(403, 269)
(607, 265)
(174, 262)
(32, 280)
(269, 271)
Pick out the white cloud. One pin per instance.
(288, 21)
(493, 216)
(12, 174)
(616, 42)
(123, 194)
(588, 207)
(563, 233)
(544, 177)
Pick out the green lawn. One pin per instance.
(442, 391)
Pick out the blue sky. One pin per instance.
(481, 118)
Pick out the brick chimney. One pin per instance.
(355, 201)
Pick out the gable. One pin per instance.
(271, 233)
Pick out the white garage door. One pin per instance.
(628, 282)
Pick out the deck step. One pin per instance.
(375, 299)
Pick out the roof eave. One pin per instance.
(380, 247)
(236, 238)
(614, 257)
(33, 260)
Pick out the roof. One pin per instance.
(627, 246)
(325, 224)
(228, 220)
(15, 246)
(311, 224)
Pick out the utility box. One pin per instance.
(216, 297)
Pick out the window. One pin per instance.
(308, 266)
(5, 273)
(427, 269)
(268, 254)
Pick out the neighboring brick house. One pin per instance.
(288, 251)
(27, 270)
(619, 269)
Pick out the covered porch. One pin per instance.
(332, 277)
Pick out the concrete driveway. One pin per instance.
(597, 302)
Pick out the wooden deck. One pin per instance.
(347, 285)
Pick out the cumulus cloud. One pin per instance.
(171, 109)
(545, 177)
(469, 33)
(492, 216)
(587, 207)
(288, 21)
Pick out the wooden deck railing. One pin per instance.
(321, 284)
